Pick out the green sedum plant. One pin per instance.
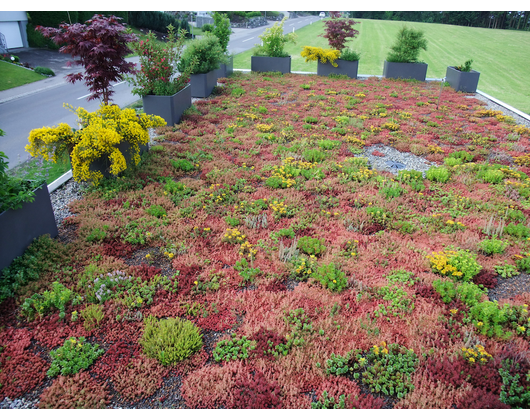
(331, 277)
(506, 271)
(438, 174)
(386, 369)
(58, 297)
(311, 246)
(170, 340)
(520, 231)
(492, 246)
(490, 319)
(513, 392)
(233, 349)
(73, 356)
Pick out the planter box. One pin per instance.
(170, 108)
(348, 68)
(21, 226)
(416, 71)
(461, 80)
(264, 64)
(103, 163)
(226, 69)
(202, 84)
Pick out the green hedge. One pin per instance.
(54, 19)
(157, 21)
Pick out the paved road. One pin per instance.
(40, 103)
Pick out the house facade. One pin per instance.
(13, 27)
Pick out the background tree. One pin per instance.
(338, 30)
(101, 46)
(222, 29)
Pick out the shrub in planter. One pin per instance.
(337, 60)
(164, 93)
(102, 132)
(25, 214)
(274, 41)
(202, 57)
(462, 78)
(408, 46)
(15, 192)
(338, 30)
(402, 60)
(271, 56)
(157, 74)
(222, 31)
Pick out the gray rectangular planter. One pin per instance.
(202, 84)
(416, 71)
(170, 108)
(462, 80)
(264, 64)
(103, 163)
(349, 68)
(226, 69)
(21, 226)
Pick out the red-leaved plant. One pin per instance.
(101, 45)
(337, 30)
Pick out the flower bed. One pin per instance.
(255, 259)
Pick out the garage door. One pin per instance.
(12, 33)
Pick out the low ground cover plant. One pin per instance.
(335, 285)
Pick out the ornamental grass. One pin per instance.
(303, 276)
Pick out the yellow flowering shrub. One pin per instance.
(50, 143)
(100, 134)
(324, 55)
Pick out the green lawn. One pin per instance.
(500, 56)
(13, 76)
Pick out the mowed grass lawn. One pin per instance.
(12, 76)
(502, 57)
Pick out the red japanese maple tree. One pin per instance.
(100, 46)
(338, 29)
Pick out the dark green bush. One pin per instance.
(206, 50)
(157, 21)
(207, 27)
(44, 71)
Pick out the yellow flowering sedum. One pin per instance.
(100, 135)
(324, 55)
